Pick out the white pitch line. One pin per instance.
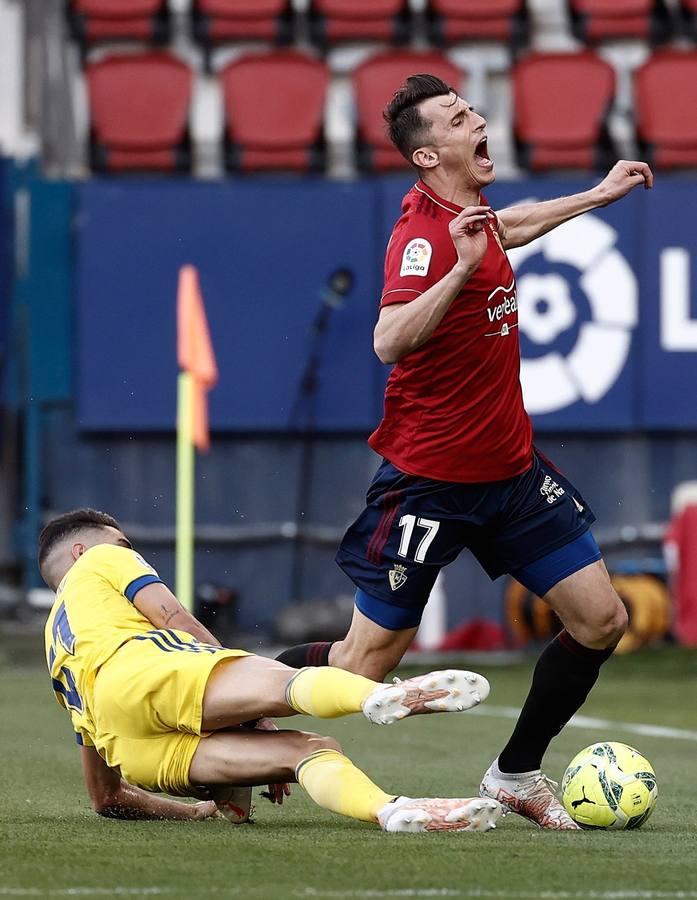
(476, 894)
(368, 894)
(86, 892)
(662, 731)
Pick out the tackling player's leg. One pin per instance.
(251, 757)
(245, 688)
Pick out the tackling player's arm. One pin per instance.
(159, 605)
(518, 225)
(402, 327)
(114, 798)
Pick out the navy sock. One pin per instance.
(563, 677)
(314, 654)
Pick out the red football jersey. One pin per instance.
(454, 407)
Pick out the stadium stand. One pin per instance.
(92, 21)
(139, 107)
(599, 20)
(665, 89)
(274, 105)
(332, 21)
(374, 83)
(215, 22)
(561, 106)
(449, 21)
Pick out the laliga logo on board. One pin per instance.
(547, 311)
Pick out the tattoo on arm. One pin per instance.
(167, 615)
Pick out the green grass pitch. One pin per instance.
(52, 844)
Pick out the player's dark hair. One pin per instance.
(70, 523)
(407, 128)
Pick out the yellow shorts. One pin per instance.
(147, 707)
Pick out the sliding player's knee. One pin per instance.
(322, 742)
(306, 743)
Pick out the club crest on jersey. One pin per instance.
(397, 576)
(416, 257)
(550, 490)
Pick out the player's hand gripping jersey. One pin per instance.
(454, 407)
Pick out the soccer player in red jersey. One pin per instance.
(459, 466)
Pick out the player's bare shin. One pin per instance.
(370, 650)
(329, 777)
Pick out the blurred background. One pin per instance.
(246, 138)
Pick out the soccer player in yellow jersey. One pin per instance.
(158, 705)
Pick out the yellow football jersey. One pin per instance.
(92, 617)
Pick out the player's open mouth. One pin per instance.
(481, 155)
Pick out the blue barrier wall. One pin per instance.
(264, 252)
(41, 338)
(608, 325)
(5, 261)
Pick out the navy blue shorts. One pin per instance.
(534, 526)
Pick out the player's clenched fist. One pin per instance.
(622, 177)
(468, 234)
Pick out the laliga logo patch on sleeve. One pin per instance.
(416, 257)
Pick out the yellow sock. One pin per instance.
(332, 780)
(328, 692)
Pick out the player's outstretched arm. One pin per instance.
(159, 605)
(518, 225)
(114, 798)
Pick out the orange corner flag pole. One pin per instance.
(198, 374)
(195, 351)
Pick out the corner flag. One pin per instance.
(195, 352)
(198, 375)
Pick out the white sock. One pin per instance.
(510, 776)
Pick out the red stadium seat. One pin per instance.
(218, 21)
(332, 21)
(274, 105)
(465, 20)
(374, 83)
(665, 94)
(108, 20)
(139, 107)
(598, 20)
(561, 104)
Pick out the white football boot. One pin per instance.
(530, 795)
(234, 803)
(440, 814)
(451, 690)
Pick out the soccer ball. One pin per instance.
(609, 785)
